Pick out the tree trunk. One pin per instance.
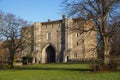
(12, 53)
(106, 59)
(11, 62)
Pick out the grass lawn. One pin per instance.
(57, 72)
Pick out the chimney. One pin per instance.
(48, 20)
(63, 18)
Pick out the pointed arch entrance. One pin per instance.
(48, 54)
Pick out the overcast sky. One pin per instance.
(33, 10)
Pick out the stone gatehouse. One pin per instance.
(54, 41)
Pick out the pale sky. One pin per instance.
(33, 10)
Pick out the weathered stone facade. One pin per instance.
(53, 41)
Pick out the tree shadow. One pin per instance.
(67, 69)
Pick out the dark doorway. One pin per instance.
(50, 54)
(67, 58)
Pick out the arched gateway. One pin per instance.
(48, 54)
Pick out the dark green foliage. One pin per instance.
(3, 66)
(112, 66)
(27, 59)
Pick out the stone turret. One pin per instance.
(37, 41)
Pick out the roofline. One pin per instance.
(49, 22)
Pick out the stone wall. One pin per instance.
(68, 44)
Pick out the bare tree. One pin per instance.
(115, 40)
(10, 32)
(101, 13)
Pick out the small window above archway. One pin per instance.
(49, 36)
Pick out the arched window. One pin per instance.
(77, 43)
(76, 34)
(49, 36)
(75, 55)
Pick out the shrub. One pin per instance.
(3, 66)
(3, 62)
(24, 61)
(27, 59)
(112, 66)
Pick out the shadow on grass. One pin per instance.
(52, 69)
(67, 69)
(55, 69)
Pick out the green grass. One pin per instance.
(57, 72)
